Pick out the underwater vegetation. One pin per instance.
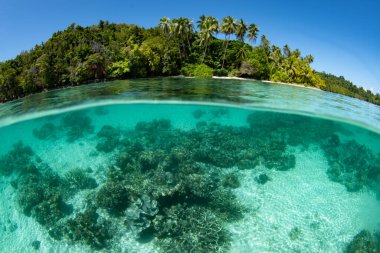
(175, 187)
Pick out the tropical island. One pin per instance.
(108, 51)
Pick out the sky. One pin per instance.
(342, 35)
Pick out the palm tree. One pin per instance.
(275, 57)
(228, 27)
(181, 28)
(188, 24)
(287, 51)
(242, 54)
(296, 53)
(264, 42)
(253, 30)
(309, 59)
(275, 54)
(209, 26)
(241, 30)
(165, 25)
(201, 22)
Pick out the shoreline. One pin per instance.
(264, 81)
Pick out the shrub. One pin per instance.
(234, 73)
(203, 70)
(220, 72)
(188, 70)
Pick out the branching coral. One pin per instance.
(88, 228)
(77, 179)
(364, 242)
(46, 131)
(76, 125)
(114, 197)
(19, 159)
(353, 171)
(108, 139)
(40, 195)
(190, 229)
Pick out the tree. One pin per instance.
(253, 30)
(228, 27)
(264, 42)
(209, 26)
(201, 22)
(165, 25)
(241, 30)
(181, 28)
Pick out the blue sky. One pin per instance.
(342, 35)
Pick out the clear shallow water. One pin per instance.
(184, 177)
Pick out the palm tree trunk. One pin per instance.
(204, 54)
(188, 42)
(225, 51)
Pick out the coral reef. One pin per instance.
(19, 159)
(114, 197)
(219, 112)
(190, 229)
(353, 171)
(40, 195)
(108, 139)
(36, 245)
(140, 215)
(78, 179)
(197, 114)
(169, 184)
(364, 242)
(295, 234)
(88, 228)
(231, 180)
(76, 125)
(262, 178)
(46, 131)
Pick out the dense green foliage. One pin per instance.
(345, 87)
(107, 51)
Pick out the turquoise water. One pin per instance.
(216, 166)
